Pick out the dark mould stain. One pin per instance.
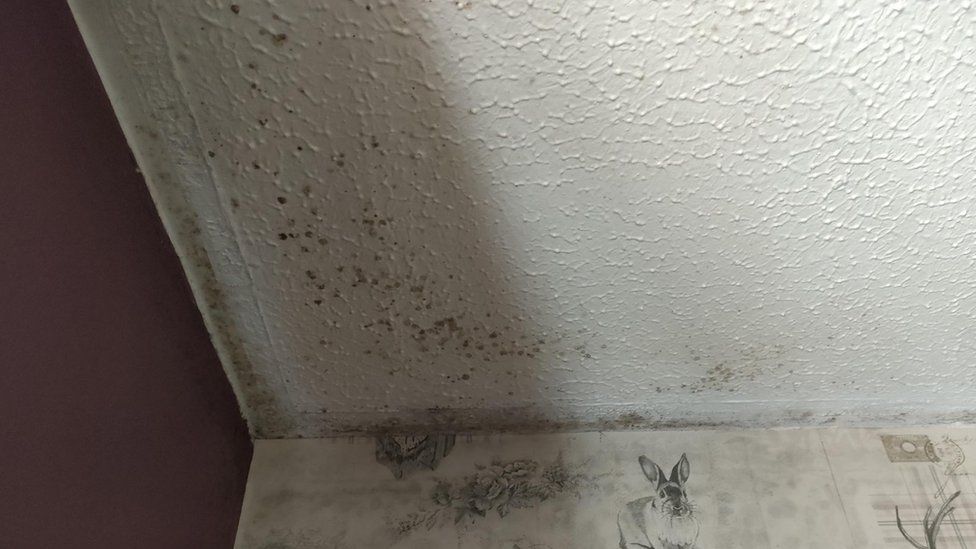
(404, 454)
(148, 131)
(265, 416)
(630, 419)
(235, 8)
(282, 200)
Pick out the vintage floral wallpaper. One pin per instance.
(797, 489)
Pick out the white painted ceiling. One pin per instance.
(519, 214)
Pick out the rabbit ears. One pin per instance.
(656, 475)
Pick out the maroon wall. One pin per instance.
(117, 425)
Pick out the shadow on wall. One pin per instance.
(399, 230)
(396, 242)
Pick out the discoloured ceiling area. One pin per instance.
(513, 214)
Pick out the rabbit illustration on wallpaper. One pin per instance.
(665, 519)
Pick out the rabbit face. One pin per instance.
(672, 498)
(664, 519)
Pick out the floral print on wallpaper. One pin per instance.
(801, 489)
(496, 488)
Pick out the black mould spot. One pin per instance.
(235, 8)
(282, 200)
(282, 236)
(211, 154)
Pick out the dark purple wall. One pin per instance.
(117, 425)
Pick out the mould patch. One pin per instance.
(400, 216)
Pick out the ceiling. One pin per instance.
(516, 214)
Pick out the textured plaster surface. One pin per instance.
(514, 214)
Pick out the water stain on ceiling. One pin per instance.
(511, 214)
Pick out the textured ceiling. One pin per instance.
(508, 213)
